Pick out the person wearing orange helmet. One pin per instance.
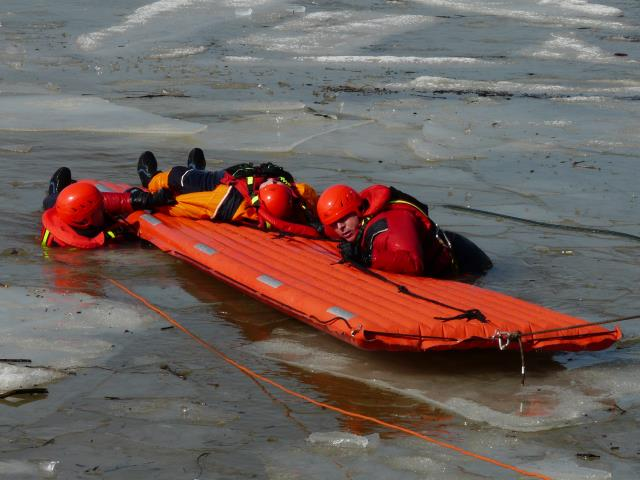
(79, 215)
(265, 195)
(386, 229)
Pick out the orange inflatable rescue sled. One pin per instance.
(304, 279)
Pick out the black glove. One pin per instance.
(349, 252)
(241, 170)
(315, 224)
(271, 170)
(141, 200)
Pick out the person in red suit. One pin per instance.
(386, 229)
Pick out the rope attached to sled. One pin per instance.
(256, 376)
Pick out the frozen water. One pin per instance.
(278, 132)
(57, 332)
(527, 108)
(84, 114)
(565, 469)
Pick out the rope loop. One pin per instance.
(471, 314)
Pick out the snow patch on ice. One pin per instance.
(582, 6)
(325, 31)
(506, 87)
(178, 52)
(241, 59)
(392, 60)
(570, 47)
(91, 41)
(551, 12)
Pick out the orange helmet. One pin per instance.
(337, 202)
(80, 205)
(277, 199)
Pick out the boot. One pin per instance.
(195, 160)
(147, 168)
(60, 179)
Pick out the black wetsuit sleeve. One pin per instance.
(184, 180)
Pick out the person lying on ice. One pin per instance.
(78, 215)
(386, 229)
(265, 195)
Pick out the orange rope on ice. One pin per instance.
(247, 371)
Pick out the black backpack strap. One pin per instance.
(401, 197)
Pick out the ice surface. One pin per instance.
(580, 396)
(273, 132)
(56, 332)
(565, 469)
(530, 108)
(199, 108)
(84, 114)
(429, 467)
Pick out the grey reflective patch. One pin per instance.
(103, 188)
(205, 249)
(151, 219)
(272, 282)
(341, 312)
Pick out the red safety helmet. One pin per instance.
(277, 198)
(337, 202)
(80, 206)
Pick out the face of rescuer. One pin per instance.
(347, 227)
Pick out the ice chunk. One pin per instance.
(342, 439)
(13, 377)
(84, 114)
(32, 469)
